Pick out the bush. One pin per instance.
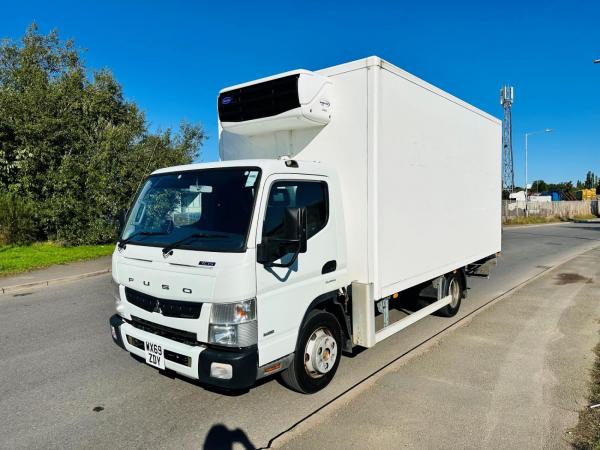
(71, 142)
(18, 219)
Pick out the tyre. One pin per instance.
(452, 285)
(318, 354)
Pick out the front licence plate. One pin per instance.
(154, 354)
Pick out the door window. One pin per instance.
(311, 195)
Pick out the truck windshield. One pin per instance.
(207, 209)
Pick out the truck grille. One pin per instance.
(168, 308)
(171, 356)
(265, 99)
(185, 337)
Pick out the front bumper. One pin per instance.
(191, 361)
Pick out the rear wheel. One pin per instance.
(318, 354)
(452, 285)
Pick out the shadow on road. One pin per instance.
(222, 438)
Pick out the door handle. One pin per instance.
(329, 267)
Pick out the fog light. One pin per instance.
(222, 371)
(113, 331)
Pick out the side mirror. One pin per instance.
(121, 217)
(294, 227)
(291, 239)
(302, 230)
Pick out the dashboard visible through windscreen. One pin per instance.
(208, 209)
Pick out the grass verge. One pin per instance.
(15, 259)
(585, 217)
(530, 220)
(586, 434)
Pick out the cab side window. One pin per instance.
(312, 195)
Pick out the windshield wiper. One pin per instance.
(124, 242)
(170, 247)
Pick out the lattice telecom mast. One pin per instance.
(508, 173)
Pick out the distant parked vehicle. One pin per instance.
(517, 196)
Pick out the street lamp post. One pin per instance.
(547, 130)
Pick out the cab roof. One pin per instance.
(268, 166)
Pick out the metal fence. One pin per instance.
(564, 209)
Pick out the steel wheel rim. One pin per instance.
(454, 291)
(320, 353)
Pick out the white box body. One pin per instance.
(420, 173)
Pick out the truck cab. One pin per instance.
(218, 263)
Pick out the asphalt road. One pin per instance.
(64, 384)
(516, 376)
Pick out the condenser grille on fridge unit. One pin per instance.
(265, 99)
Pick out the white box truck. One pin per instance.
(337, 191)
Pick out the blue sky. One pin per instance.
(173, 57)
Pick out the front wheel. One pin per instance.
(318, 354)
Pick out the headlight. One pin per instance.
(223, 334)
(233, 324)
(115, 291)
(229, 313)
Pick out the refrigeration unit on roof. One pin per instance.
(294, 100)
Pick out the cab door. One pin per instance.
(284, 293)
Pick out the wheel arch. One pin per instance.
(330, 302)
(462, 276)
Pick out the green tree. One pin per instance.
(591, 180)
(72, 143)
(564, 186)
(539, 186)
